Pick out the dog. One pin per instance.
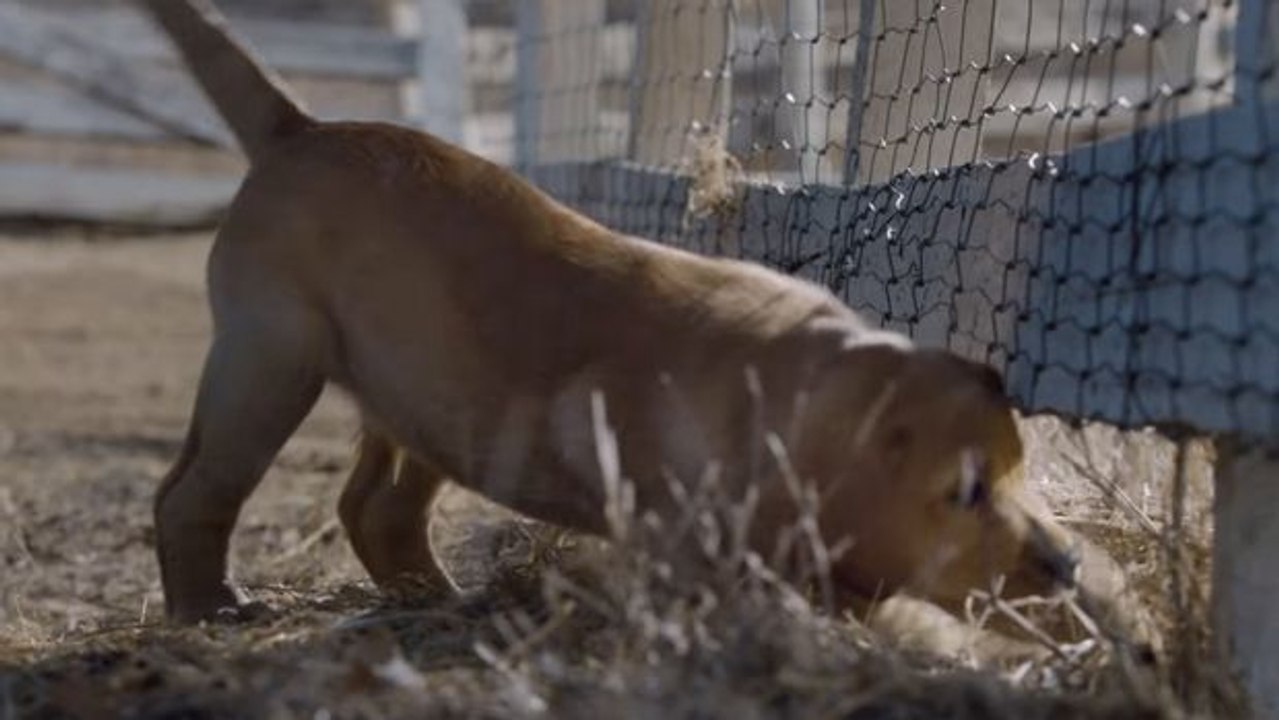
(488, 333)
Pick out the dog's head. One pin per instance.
(919, 462)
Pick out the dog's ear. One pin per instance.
(872, 382)
(990, 378)
(850, 393)
(878, 360)
(980, 375)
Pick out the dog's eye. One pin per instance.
(972, 490)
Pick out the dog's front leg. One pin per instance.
(385, 509)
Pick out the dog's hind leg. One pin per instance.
(259, 382)
(384, 509)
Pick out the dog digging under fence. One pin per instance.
(488, 333)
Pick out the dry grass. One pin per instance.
(715, 174)
(570, 627)
(1146, 499)
(612, 633)
(550, 625)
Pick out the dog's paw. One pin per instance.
(225, 606)
(419, 589)
(244, 613)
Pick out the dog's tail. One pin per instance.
(251, 98)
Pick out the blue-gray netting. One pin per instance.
(1084, 193)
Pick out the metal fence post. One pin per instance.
(441, 84)
(528, 81)
(804, 86)
(857, 94)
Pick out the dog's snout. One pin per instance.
(1057, 557)
(1062, 566)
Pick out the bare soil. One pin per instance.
(101, 345)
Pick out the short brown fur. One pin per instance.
(474, 319)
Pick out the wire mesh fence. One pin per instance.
(937, 84)
(1080, 193)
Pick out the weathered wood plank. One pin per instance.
(164, 98)
(682, 80)
(47, 192)
(910, 120)
(342, 51)
(293, 46)
(57, 110)
(1242, 186)
(111, 66)
(1245, 574)
(1133, 281)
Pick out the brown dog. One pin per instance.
(487, 330)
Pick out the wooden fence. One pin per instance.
(99, 124)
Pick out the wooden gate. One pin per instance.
(98, 123)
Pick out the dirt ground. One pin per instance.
(100, 350)
(100, 347)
